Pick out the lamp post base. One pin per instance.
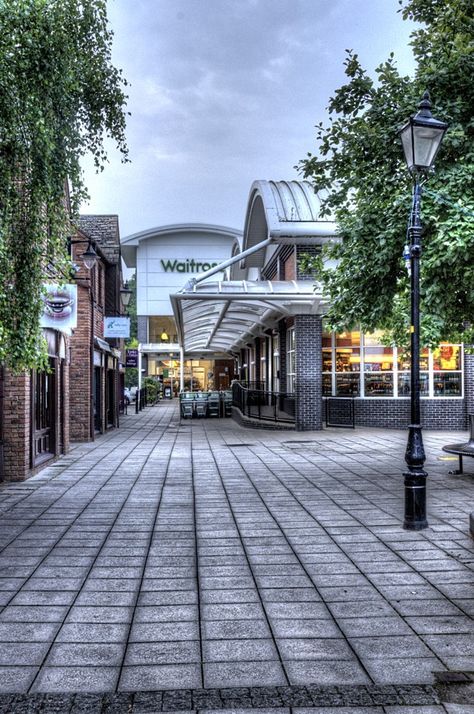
(415, 482)
(415, 501)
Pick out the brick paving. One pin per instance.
(198, 565)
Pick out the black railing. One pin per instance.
(340, 412)
(257, 403)
(140, 400)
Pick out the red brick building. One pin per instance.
(96, 383)
(34, 413)
(79, 395)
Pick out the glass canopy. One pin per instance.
(222, 316)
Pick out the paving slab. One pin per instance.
(162, 560)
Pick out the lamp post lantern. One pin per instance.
(421, 138)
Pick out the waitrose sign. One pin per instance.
(189, 265)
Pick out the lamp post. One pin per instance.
(421, 138)
(125, 294)
(89, 256)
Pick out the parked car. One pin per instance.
(133, 393)
(127, 396)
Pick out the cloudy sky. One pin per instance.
(224, 92)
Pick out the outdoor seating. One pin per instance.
(461, 450)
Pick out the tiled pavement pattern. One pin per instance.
(197, 555)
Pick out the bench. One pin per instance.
(461, 450)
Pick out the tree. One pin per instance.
(360, 166)
(60, 96)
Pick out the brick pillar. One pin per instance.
(308, 392)
(16, 425)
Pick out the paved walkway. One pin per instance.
(201, 557)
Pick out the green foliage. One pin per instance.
(131, 373)
(131, 311)
(361, 169)
(152, 389)
(59, 97)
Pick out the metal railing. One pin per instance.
(257, 403)
(140, 400)
(340, 412)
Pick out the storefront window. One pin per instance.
(290, 360)
(378, 367)
(385, 370)
(162, 330)
(447, 375)
(404, 384)
(347, 385)
(347, 354)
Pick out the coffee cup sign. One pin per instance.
(60, 307)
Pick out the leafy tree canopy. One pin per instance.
(360, 169)
(60, 96)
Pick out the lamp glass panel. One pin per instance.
(407, 143)
(426, 143)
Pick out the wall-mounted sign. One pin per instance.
(116, 327)
(188, 265)
(131, 358)
(60, 307)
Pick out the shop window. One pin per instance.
(404, 378)
(447, 375)
(162, 330)
(290, 360)
(347, 364)
(385, 370)
(378, 367)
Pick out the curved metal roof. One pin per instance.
(287, 211)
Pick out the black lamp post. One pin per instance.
(421, 138)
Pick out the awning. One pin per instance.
(221, 317)
(102, 344)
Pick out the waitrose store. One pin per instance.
(165, 258)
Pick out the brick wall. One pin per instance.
(395, 413)
(308, 392)
(80, 369)
(310, 250)
(16, 426)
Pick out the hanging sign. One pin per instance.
(60, 307)
(131, 359)
(116, 327)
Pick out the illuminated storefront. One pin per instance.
(357, 365)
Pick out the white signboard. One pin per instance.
(60, 307)
(116, 327)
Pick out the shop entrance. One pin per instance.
(44, 414)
